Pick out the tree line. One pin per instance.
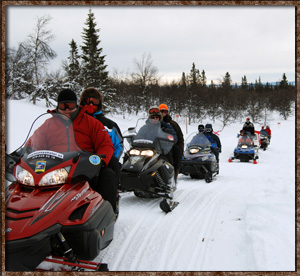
(192, 97)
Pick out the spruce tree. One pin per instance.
(284, 82)
(203, 78)
(244, 84)
(93, 66)
(73, 70)
(226, 83)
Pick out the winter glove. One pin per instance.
(103, 164)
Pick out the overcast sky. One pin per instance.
(256, 41)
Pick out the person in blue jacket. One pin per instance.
(214, 139)
(94, 99)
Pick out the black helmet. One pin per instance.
(208, 128)
(201, 128)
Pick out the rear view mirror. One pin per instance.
(10, 162)
(131, 129)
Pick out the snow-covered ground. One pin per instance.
(242, 221)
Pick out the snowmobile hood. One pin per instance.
(30, 210)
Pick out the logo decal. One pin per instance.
(95, 159)
(134, 159)
(170, 137)
(45, 154)
(40, 166)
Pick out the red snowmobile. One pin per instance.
(51, 212)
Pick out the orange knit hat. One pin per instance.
(163, 107)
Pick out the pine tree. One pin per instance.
(203, 78)
(244, 83)
(73, 69)
(284, 82)
(194, 76)
(226, 83)
(93, 67)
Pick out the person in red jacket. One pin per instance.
(90, 135)
(268, 130)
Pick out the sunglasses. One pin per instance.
(93, 101)
(65, 106)
(153, 110)
(164, 111)
(154, 117)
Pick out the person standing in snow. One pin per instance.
(178, 148)
(93, 98)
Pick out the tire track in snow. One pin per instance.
(149, 236)
(204, 210)
(131, 235)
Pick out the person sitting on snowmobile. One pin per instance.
(179, 146)
(90, 136)
(244, 137)
(155, 117)
(91, 96)
(214, 139)
(248, 126)
(268, 130)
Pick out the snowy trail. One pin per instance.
(242, 221)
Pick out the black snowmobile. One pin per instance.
(199, 161)
(264, 139)
(146, 170)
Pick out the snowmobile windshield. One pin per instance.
(245, 140)
(264, 132)
(199, 140)
(152, 135)
(50, 132)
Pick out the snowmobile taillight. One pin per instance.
(24, 177)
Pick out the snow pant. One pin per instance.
(216, 153)
(115, 165)
(177, 157)
(106, 185)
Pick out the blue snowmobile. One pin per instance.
(245, 150)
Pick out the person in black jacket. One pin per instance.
(179, 146)
(248, 126)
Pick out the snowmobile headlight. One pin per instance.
(194, 150)
(134, 152)
(244, 146)
(24, 177)
(149, 153)
(55, 177)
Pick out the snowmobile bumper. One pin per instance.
(194, 167)
(85, 239)
(26, 254)
(132, 181)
